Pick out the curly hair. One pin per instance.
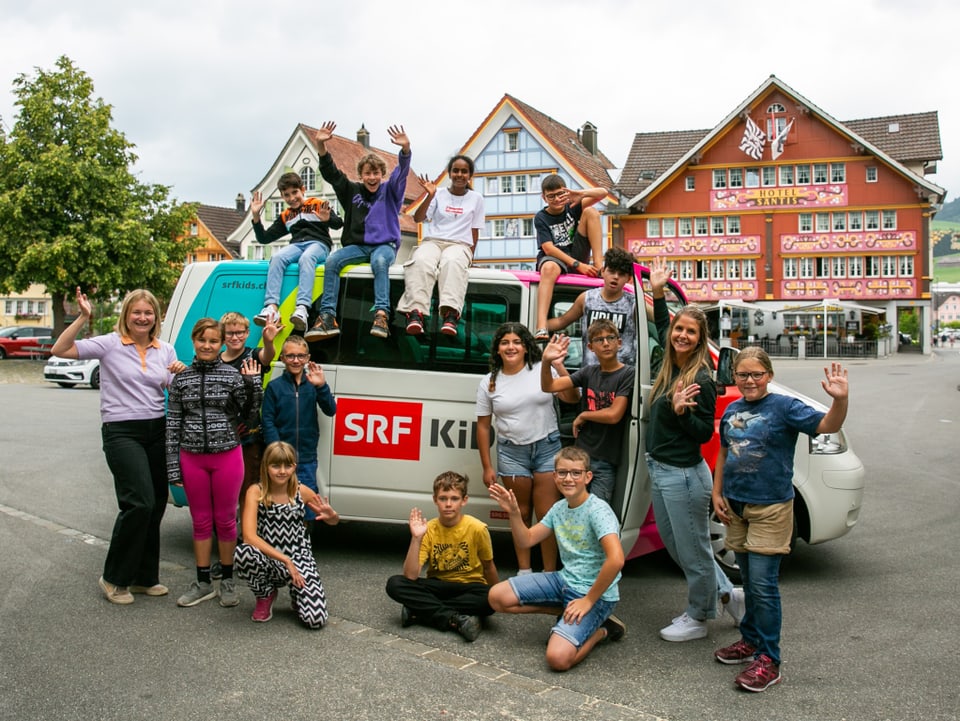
(532, 350)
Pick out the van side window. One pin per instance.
(486, 307)
(563, 298)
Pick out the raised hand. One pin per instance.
(398, 136)
(271, 329)
(685, 397)
(556, 349)
(320, 505)
(250, 367)
(504, 498)
(660, 273)
(256, 204)
(835, 383)
(86, 308)
(427, 184)
(418, 525)
(314, 374)
(325, 132)
(323, 212)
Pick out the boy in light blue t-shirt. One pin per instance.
(585, 592)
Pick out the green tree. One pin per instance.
(71, 210)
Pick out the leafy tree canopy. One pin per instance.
(71, 210)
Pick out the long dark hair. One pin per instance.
(533, 353)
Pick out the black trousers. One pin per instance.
(136, 457)
(434, 602)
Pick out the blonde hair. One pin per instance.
(756, 353)
(296, 340)
(574, 455)
(234, 318)
(135, 296)
(277, 453)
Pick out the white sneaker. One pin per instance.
(269, 313)
(736, 606)
(299, 318)
(684, 628)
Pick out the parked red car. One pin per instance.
(17, 340)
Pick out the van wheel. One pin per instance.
(725, 557)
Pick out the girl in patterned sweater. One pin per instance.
(206, 404)
(276, 551)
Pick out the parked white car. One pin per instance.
(67, 373)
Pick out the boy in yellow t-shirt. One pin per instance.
(458, 555)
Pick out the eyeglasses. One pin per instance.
(605, 339)
(235, 333)
(754, 375)
(296, 356)
(576, 474)
(555, 196)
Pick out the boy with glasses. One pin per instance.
(585, 592)
(605, 391)
(568, 235)
(236, 332)
(290, 409)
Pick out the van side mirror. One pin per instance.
(725, 366)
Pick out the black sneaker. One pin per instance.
(325, 327)
(450, 320)
(615, 628)
(406, 617)
(414, 322)
(466, 626)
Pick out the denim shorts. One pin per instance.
(549, 589)
(529, 458)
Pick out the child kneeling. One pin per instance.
(276, 551)
(585, 592)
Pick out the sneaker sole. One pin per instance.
(158, 590)
(620, 628)
(379, 333)
(733, 661)
(230, 603)
(759, 689)
(448, 331)
(414, 329)
(194, 602)
(298, 323)
(262, 620)
(686, 637)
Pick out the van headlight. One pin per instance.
(828, 443)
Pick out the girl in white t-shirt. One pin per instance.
(455, 216)
(527, 434)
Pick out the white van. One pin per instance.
(406, 405)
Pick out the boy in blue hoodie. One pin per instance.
(371, 231)
(290, 409)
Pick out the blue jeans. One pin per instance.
(604, 479)
(380, 258)
(761, 623)
(308, 255)
(681, 504)
(307, 475)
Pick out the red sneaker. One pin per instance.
(759, 675)
(450, 320)
(414, 322)
(263, 611)
(740, 652)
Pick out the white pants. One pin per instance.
(446, 260)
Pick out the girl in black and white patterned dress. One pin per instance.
(276, 549)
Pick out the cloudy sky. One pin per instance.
(209, 90)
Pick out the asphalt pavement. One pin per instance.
(870, 625)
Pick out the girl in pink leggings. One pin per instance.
(207, 402)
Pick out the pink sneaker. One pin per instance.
(263, 611)
(759, 675)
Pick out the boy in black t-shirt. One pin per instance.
(568, 235)
(605, 398)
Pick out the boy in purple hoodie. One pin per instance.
(371, 231)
